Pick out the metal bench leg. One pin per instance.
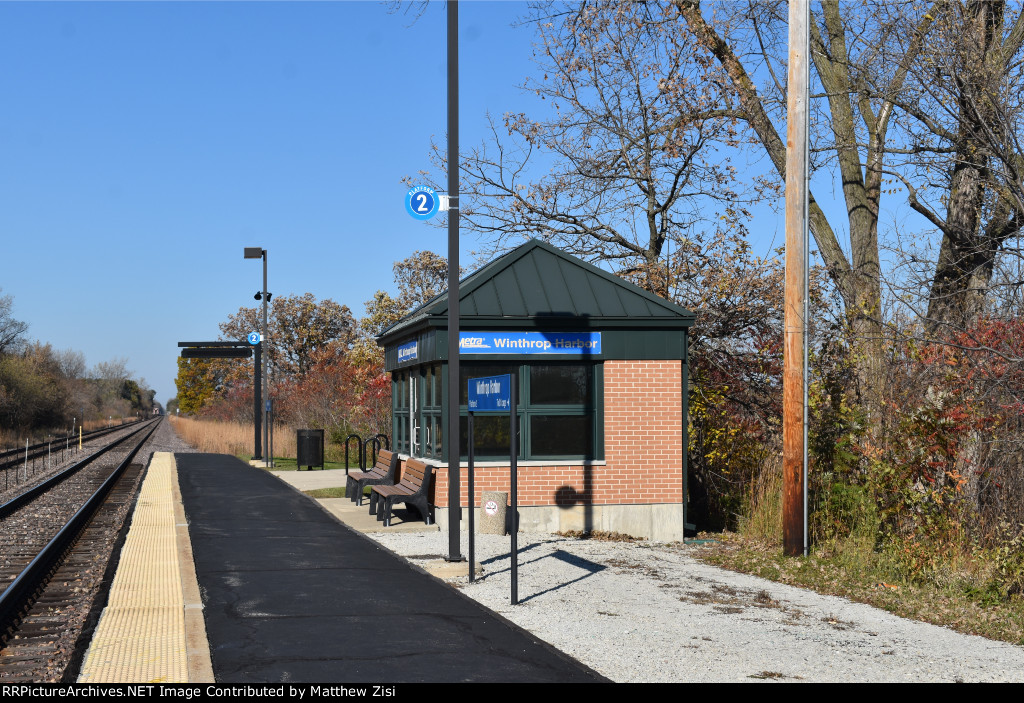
(374, 501)
(423, 509)
(384, 513)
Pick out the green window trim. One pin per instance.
(542, 425)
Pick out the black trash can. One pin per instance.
(309, 448)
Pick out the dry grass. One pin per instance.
(600, 536)
(764, 511)
(236, 438)
(233, 438)
(863, 575)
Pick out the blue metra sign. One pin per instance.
(586, 343)
(254, 338)
(490, 394)
(422, 202)
(408, 351)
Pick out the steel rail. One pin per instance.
(11, 457)
(15, 597)
(37, 490)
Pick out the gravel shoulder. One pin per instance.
(649, 612)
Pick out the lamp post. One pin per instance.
(261, 253)
(454, 487)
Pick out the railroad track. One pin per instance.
(20, 464)
(56, 541)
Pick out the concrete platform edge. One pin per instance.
(197, 646)
(152, 628)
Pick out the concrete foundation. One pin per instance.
(662, 522)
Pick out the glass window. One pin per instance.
(490, 433)
(553, 435)
(428, 389)
(400, 411)
(559, 409)
(416, 416)
(403, 390)
(561, 384)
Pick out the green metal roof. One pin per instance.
(537, 283)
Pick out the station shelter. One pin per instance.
(602, 388)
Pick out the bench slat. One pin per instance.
(381, 472)
(412, 488)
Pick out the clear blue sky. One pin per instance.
(144, 145)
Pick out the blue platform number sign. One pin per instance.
(254, 338)
(422, 202)
(490, 394)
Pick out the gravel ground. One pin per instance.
(649, 612)
(644, 612)
(165, 440)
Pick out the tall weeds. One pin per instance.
(236, 438)
(763, 517)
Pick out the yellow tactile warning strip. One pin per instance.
(152, 629)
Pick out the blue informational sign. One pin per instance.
(530, 343)
(254, 338)
(490, 394)
(422, 202)
(408, 351)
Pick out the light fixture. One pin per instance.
(264, 392)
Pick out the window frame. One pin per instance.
(526, 410)
(431, 418)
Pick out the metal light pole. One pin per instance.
(261, 253)
(454, 506)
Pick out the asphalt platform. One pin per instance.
(290, 594)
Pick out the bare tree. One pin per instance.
(115, 370)
(627, 174)
(11, 331)
(906, 91)
(71, 362)
(961, 162)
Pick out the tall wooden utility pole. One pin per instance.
(794, 379)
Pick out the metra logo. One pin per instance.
(473, 343)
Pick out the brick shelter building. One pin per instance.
(602, 387)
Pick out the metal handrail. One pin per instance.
(359, 446)
(376, 449)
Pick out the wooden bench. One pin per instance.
(383, 472)
(413, 489)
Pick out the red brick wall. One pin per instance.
(642, 448)
(643, 443)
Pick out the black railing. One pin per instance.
(374, 446)
(359, 448)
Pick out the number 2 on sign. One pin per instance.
(423, 200)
